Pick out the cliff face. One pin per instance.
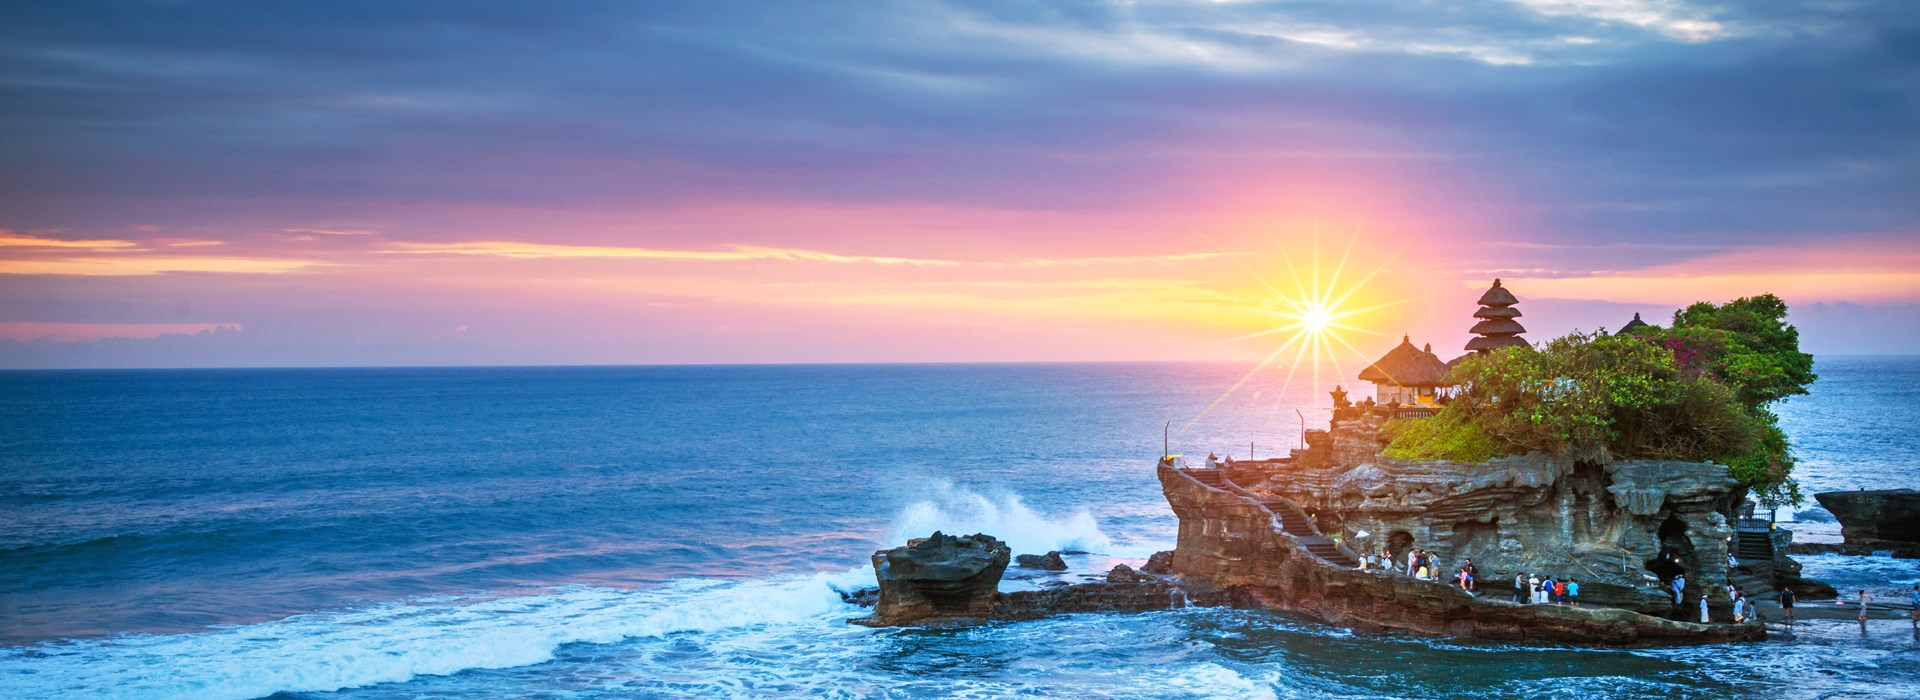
(1615, 528)
(1232, 541)
(1876, 518)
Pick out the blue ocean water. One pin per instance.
(683, 531)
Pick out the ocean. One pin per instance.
(685, 531)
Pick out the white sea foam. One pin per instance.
(398, 641)
(956, 510)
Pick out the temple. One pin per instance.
(1497, 327)
(1327, 531)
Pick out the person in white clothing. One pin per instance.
(1703, 611)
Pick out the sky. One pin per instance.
(443, 183)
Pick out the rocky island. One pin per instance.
(1623, 463)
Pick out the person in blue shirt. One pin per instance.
(1573, 593)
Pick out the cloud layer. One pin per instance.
(819, 171)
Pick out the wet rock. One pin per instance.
(939, 577)
(1125, 574)
(1231, 543)
(1159, 563)
(1050, 561)
(1875, 518)
(865, 597)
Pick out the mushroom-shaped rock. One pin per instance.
(941, 576)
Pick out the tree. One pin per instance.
(1698, 391)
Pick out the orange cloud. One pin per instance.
(511, 249)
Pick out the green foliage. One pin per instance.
(1444, 436)
(1698, 392)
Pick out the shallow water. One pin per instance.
(669, 532)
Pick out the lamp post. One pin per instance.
(1303, 428)
(1166, 441)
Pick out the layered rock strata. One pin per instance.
(1231, 540)
(1886, 519)
(945, 579)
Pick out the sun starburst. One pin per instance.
(1313, 320)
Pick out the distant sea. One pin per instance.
(684, 532)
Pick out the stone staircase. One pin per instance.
(1292, 521)
(1753, 541)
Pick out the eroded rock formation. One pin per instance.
(941, 576)
(1050, 561)
(1888, 519)
(1231, 539)
(945, 579)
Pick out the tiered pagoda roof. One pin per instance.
(1634, 325)
(1497, 327)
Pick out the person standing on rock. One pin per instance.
(1786, 603)
(1519, 585)
(1913, 597)
(1473, 574)
(1533, 586)
(1703, 611)
(1865, 598)
(1573, 593)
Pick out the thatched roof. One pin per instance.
(1634, 324)
(1497, 312)
(1498, 296)
(1406, 365)
(1498, 326)
(1492, 342)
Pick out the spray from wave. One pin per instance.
(957, 510)
(398, 641)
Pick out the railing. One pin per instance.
(1752, 525)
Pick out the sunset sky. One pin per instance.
(341, 183)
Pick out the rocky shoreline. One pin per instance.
(1235, 543)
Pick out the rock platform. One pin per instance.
(1245, 545)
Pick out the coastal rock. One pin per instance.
(945, 579)
(1615, 528)
(1231, 541)
(1122, 573)
(941, 576)
(1159, 563)
(1050, 561)
(1877, 519)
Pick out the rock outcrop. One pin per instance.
(1231, 539)
(1615, 528)
(1888, 519)
(942, 576)
(945, 579)
(1050, 561)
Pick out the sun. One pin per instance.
(1313, 318)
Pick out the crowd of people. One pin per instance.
(1537, 590)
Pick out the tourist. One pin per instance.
(1752, 612)
(1560, 591)
(1865, 598)
(1473, 574)
(1913, 597)
(1703, 611)
(1786, 602)
(1573, 593)
(1548, 592)
(1739, 608)
(1519, 585)
(1679, 589)
(1413, 560)
(1533, 588)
